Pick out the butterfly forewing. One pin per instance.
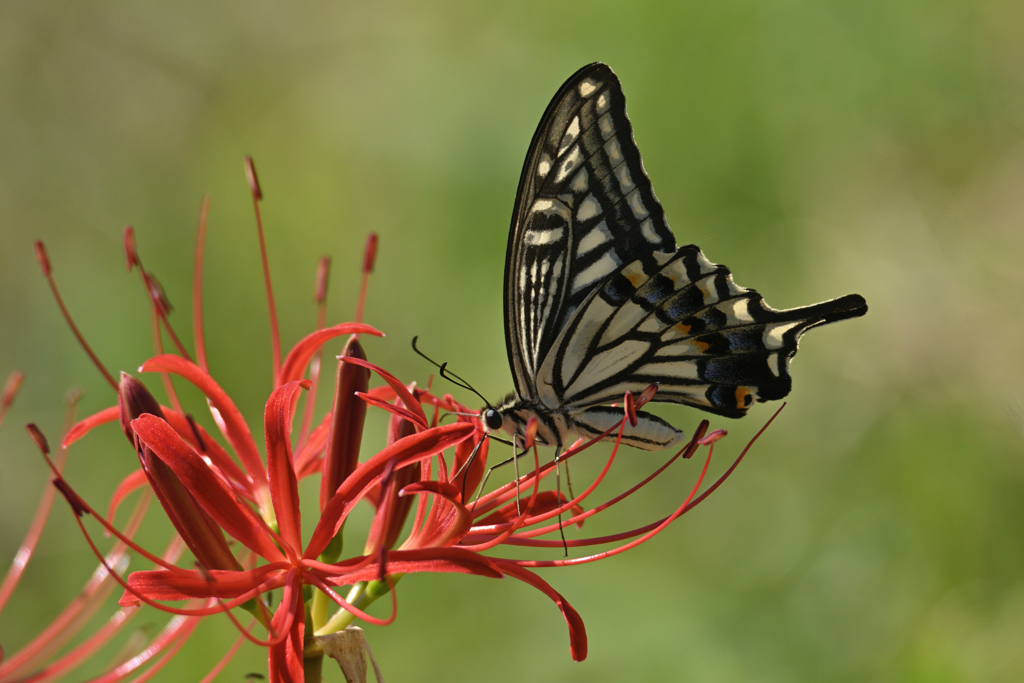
(585, 207)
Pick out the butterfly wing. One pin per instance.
(685, 325)
(599, 301)
(584, 209)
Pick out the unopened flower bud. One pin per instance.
(347, 418)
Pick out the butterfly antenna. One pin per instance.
(448, 374)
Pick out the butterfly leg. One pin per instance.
(558, 488)
(483, 484)
(465, 468)
(515, 464)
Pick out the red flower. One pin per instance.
(212, 494)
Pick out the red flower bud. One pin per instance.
(134, 399)
(200, 532)
(347, 418)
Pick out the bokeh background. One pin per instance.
(817, 148)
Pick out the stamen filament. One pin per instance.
(275, 335)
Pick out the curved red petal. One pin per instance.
(384, 393)
(314, 445)
(541, 504)
(470, 476)
(133, 481)
(411, 449)
(161, 584)
(202, 441)
(211, 492)
(577, 631)
(400, 389)
(85, 426)
(419, 560)
(448, 524)
(236, 430)
(448, 491)
(390, 407)
(294, 366)
(284, 487)
(285, 660)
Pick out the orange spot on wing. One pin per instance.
(636, 279)
(682, 329)
(744, 397)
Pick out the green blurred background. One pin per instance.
(817, 148)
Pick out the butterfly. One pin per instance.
(599, 300)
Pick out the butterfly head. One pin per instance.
(499, 417)
(512, 415)
(492, 419)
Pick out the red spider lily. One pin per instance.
(212, 492)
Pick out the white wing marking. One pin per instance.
(651, 325)
(571, 133)
(614, 152)
(773, 334)
(600, 269)
(682, 347)
(739, 313)
(636, 205)
(597, 236)
(624, 178)
(579, 183)
(608, 364)
(705, 265)
(675, 369)
(622, 323)
(572, 160)
(647, 230)
(592, 317)
(589, 208)
(535, 238)
(707, 288)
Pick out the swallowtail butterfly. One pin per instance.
(599, 300)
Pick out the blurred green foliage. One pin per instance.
(817, 148)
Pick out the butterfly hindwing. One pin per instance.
(584, 208)
(686, 326)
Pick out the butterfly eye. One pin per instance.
(493, 419)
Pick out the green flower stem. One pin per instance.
(318, 609)
(313, 668)
(361, 596)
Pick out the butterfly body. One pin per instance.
(599, 300)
